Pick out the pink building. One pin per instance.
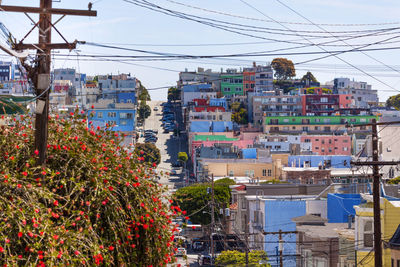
(329, 144)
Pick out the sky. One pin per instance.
(123, 24)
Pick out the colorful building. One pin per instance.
(232, 84)
(316, 124)
(328, 144)
(364, 229)
(249, 80)
(324, 104)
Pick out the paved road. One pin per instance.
(169, 147)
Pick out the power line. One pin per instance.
(283, 22)
(332, 54)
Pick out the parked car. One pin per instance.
(181, 252)
(204, 260)
(177, 164)
(155, 108)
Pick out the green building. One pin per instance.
(232, 84)
(317, 124)
(318, 120)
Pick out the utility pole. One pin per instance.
(212, 219)
(247, 243)
(280, 248)
(375, 163)
(40, 73)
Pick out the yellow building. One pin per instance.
(263, 168)
(364, 228)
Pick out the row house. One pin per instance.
(210, 113)
(316, 124)
(197, 91)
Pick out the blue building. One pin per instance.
(218, 102)
(328, 161)
(126, 97)
(340, 207)
(196, 87)
(278, 216)
(249, 153)
(123, 120)
(211, 126)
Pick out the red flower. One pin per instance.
(55, 237)
(55, 203)
(24, 173)
(19, 185)
(36, 152)
(1, 249)
(20, 234)
(110, 248)
(76, 252)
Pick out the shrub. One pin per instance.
(91, 204)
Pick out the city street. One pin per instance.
(169, 146)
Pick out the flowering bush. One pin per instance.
(92, 204)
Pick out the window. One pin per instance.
(368, 236)
(317, 120)
(123, 122)
(243, 203)
(112, 114)
(231, 173)
(307, 140)
(238, 89)
(124, 115)
(345, 148)
(264, 172)
(99, 115)
(269, 172)
(111, 123)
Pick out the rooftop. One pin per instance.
(329, 230)
(213, 138)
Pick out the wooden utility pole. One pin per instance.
(212, 219)
(40, 73)
(375, 163)
(281, 241)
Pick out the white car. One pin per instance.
(155, 108)
(181, 252)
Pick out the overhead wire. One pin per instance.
(322, 48)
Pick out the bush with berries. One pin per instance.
(92, 203)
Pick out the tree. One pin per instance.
(149, 151)
(393, 101)
(1, 86)
(237, 258)
(240, 114)
(308, 78)
(91, 204)
(144, 111)
(394, 180)
(143, 93)
(195, 198)
(283, 68)
(174, 94)
(182, 156)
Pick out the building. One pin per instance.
(394, 245)
(197, 91)
(318, 242)
(210, 114)
(317, 161)
(361, 92)
(316, 124)
(264, 78)
(249, 80)
(389, 149)
(120, 117)
(231, 83)
(320, 104)
(6, 71)
(200, 76)
(364, 230)
(307, 175)
(328, 144)
(275, 104)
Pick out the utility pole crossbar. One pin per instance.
(48, 11)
